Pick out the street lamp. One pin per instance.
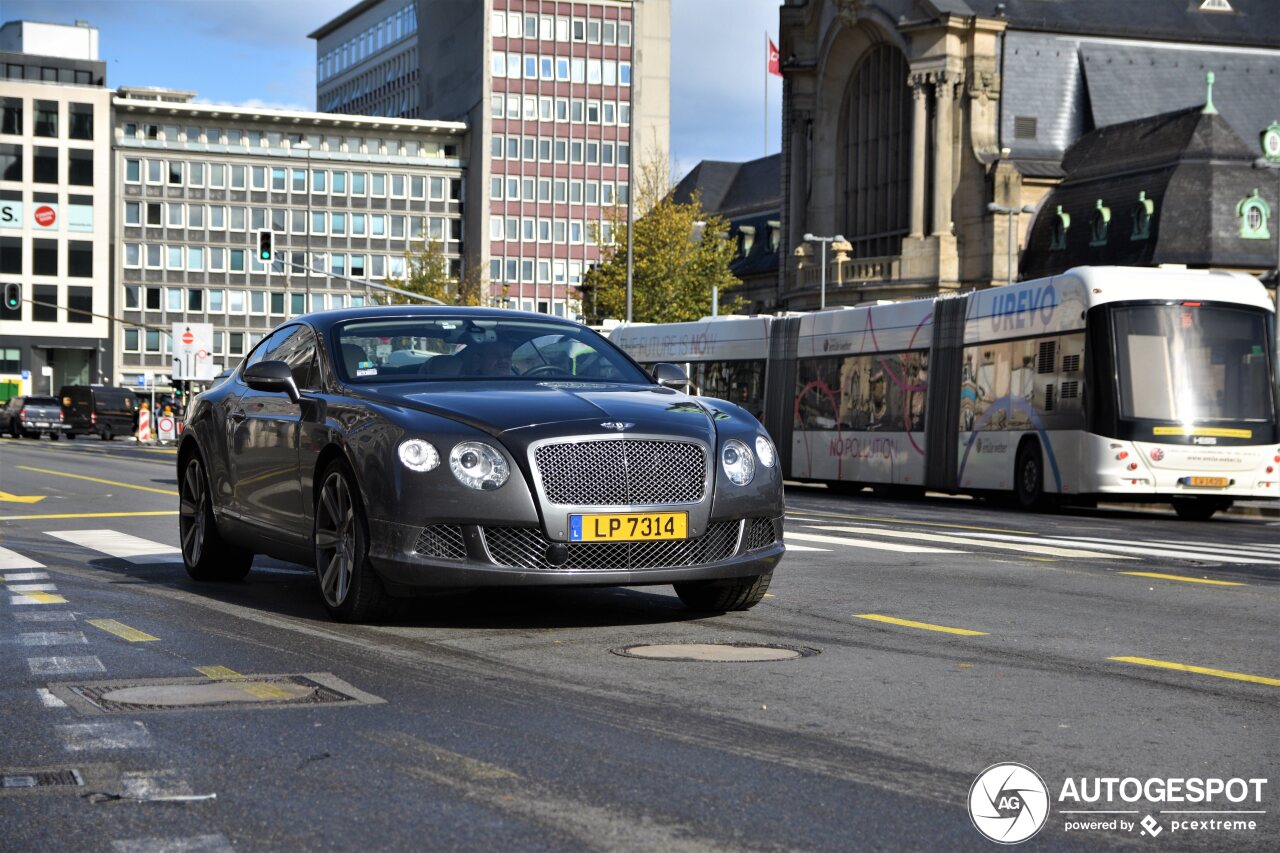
(1012, 212)
(838, 244)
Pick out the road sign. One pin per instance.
(46, 371)
(192, 343)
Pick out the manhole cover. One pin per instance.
(716, 652)
(196, 694)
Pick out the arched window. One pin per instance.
(874, 169)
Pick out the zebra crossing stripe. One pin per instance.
(120, 545)
(1265, 554)
(1166, 553)
(14, 560)
(1043, 550)
(869, 543)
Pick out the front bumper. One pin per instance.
(414, 557)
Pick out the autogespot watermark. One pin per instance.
(1009, 803)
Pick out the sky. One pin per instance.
(258, 53)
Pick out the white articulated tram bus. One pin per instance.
(1103, 382)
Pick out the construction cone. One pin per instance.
(144, 423)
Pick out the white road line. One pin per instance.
(121, 545)
(52, 638)
(14, 560)
(791, 547)
(65, 666)
(1216, 547)
(31, 587)
(191, 844)
(104, 734)
(1123, 549)
(869, 543)
(1042, 550)
(13, 577)
(153, 783)
(48, 699)
(46, 616)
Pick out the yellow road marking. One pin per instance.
(96, 480)
(87, 515)
(8, 497)
(169, 451)
(1042, 559)
(1164, 577)
(1200, 670)
(44, 598)
(254, 688)
(900, 521)
(122, 630)
(924, 626)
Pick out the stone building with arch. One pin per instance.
(905, 120)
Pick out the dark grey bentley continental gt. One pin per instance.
(405, 449)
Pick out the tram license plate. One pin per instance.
(628, 526)
(1208, 482)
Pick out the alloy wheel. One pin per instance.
(192, 512)
(335, 539)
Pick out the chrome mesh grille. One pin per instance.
(618, 472)
(442, 541)
(761, 533)
(526, 548)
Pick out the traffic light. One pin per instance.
(264, 246)
(13, 296)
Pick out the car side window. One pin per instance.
(298, 351)
(266, 345)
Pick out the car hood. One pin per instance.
(556, 407)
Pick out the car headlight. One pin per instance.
(478, 465)
(739, 466)
(419, 455)
(764, 449)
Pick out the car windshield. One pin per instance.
(461, 348)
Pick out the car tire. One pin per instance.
(56, 436)
(721, 596)
(14, 432)
(1198, 509)
(350, 589)
(106, 434)
(205, 553)
(1028, 476)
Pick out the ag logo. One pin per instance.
(1008, 803)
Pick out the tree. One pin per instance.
(681, 254)
(427, 273)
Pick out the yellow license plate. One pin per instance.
(1208, 482)
(628, 526)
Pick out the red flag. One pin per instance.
(773, 59)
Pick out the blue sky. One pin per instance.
(236, 51)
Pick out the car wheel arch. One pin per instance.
(324, 460)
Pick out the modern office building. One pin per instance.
(55, 166)
(562, 98)
(346, 197)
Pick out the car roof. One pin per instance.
(324, 320)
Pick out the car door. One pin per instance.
(263, 447)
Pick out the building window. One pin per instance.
(44, 302)
(873, 166)
(44, 257)
(81, 121)
(1141, 216)
(46, 118)
(1058, 230)
(175, 173)
(11, 115)
(1254, 215)
(131, 340)
(1099, 225)
(80, 259)
(80, 167)
(45, 166)
(79, 304)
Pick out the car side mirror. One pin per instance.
(670, 375)
(273, 377)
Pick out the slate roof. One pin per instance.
(729, 188)
(1191, 165)
(1254, 22)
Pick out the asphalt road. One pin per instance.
(1099, 643)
